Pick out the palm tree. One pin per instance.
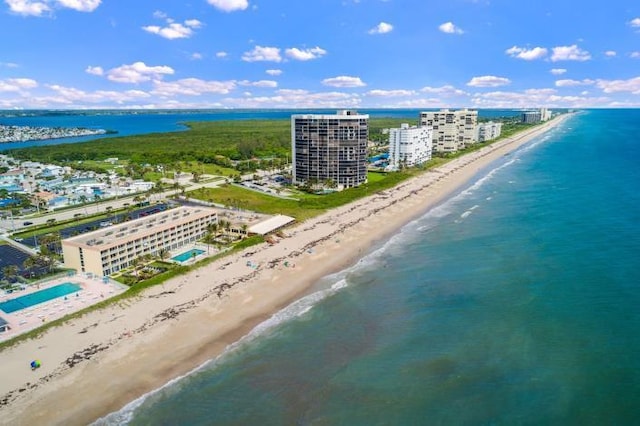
(28, 264)
(213, 228)
(163, 254)
(10, 272)
(244, 228)
(52, 239)
(209, 239)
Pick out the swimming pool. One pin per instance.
(23, 302)
(183, 257)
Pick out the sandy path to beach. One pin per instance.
(96, 364)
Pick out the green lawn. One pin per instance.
(309, 205)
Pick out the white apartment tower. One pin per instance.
(488, 131)
(409, 146)
(452, 130)
(330, 148)
(545, 114)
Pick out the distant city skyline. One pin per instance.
(92, 54)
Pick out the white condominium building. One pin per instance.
(536, 116)
(488, 131)
(330, 148)
(409, 146)
(545, 114)
(111, 249)
(452, 130)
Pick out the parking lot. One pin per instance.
(73, 230)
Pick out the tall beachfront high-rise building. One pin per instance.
(330, 149)
(488, 131)
(409, 146)
(452, 130)
(536, 116)
(531, 117)
(545, 114)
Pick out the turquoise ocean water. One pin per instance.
(515, 302)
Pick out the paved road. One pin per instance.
(10, 225)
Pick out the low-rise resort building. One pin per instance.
(111, 249)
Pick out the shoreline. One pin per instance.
(172, 328)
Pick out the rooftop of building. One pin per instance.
(340, 114)
(149, 225)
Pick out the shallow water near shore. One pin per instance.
(514, 302)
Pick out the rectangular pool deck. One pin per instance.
(187, 255)
(41, 296)
(50, 300)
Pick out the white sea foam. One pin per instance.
(465, 214)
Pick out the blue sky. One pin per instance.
(68, 54)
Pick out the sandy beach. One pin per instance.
(96, 364)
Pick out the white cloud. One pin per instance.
(39, 8)
(174, 30)
(196, 56)
(534, 97)
(80, 5)
(192, 87)
(259, 83)
(138, 72)
(9, 64)
(262, 53)
(635, 55)
(391, 93)
(297, 98)
(527, 54)
(446, 90)
(381, 28)
(631, 85)
(558, 71)
(635, 23)
(94, 70)
(193, 23)
(610, 53)
(28, 7)
(69, 95)
(274, 72)
(17, 84)
(569, 53)
(573, 83)
(158, 14)
(229, 5)
(306, 54)
(488, 81)
(221, 54)
(450, 28)
(343, 81)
